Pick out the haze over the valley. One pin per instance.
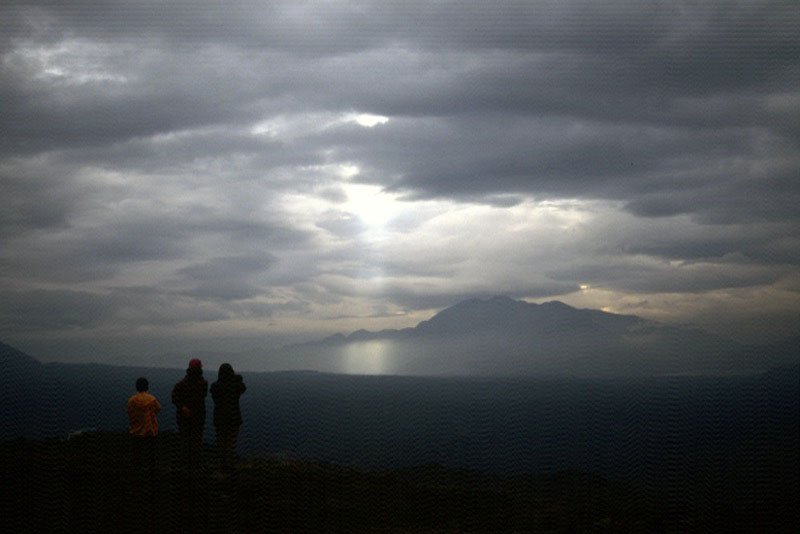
(189, 176)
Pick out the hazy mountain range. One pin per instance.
(501, 336)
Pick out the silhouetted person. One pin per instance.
(227, 414)
(143, 429)
(189, 398)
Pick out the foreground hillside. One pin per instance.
(86, 484)
(555, 454)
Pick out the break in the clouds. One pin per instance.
(184, 174)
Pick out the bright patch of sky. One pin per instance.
(71, 62)
(371, 205)
(293, 126)
(367, 120)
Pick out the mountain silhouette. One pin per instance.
(498, 336)
(504, 316)
(504, 336)
(11, 358)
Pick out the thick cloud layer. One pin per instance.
(195, 174)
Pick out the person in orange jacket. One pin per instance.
(143, 429)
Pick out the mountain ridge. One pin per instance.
(501, 336)
(500, 311)
(11, 356)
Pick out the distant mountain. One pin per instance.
(20, 394)
(504, 316)
(504, 336)
(13, 358)
(18, 368)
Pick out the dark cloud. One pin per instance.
(52, 310)
(224, 278)
(27, 204)
(692, 278)
(768, 246)
(133, 312)
(194, 162)
(226, 266)
(223, 289)
(129, 237)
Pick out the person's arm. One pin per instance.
(157, 406)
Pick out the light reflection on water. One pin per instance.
(473, 356)
(367, 358)
(390, 357)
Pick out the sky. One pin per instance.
(190, 175)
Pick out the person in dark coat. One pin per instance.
(227, 414)
(189, 398)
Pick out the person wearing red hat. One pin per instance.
(189, 398)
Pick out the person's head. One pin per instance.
(195, 368)
(142, 384)
(225, 371)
